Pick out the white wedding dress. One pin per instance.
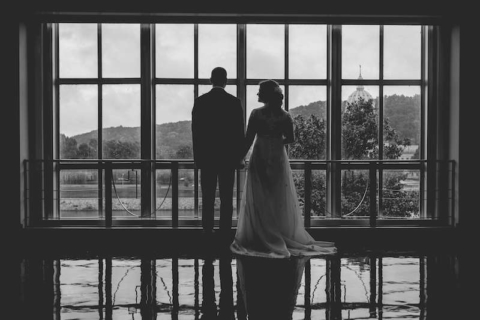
(270, 221)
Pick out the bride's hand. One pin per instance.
(242, 164)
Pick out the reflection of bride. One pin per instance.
(270, 222)
(266, 294)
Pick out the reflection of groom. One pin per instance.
(218, 135)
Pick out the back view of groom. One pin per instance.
(218, 135)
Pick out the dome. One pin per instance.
(360, 92)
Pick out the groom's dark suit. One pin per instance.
(218, 135)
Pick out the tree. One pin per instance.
(85, 152)
(360, 133)
(359, 141)
(184, 152)
(116, 149)
(68, 148)
(309, 138)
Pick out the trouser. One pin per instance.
(226, 179)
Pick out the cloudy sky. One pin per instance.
(217, 47)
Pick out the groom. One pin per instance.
(218, 135)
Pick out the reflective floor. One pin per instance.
(349, 285)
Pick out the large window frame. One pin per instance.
(437, 207)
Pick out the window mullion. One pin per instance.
(147, 119)
(334, 120)
(241, 94)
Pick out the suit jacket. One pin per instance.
(218, 130)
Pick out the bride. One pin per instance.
(270, 222)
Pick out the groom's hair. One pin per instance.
(219, 76)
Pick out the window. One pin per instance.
(358, 94)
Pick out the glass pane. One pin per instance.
(121, 122)
(359, 123)
(265, 51)
(78, 50)
(299, 181)
(318, 196)
(400, 194)
(174, 50)
(355, 194)
(121, 50)
(202, 89)
(186, 193)
(78, 121)
(163, 208)
(217, 47)
(307, 105)
(79, 194)
(173, 118)
(307, 51)
(402, 52)
(126, 194)
(360, 47)
(401, 107)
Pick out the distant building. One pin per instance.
(360, 92)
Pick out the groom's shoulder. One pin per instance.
(231, 96)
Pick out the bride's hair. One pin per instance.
(270, 92)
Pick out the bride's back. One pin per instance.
(271, 121)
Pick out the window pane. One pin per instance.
(186, 192)
(173, 118)
(402, 52)
(126, 192)
(174, 50)
(78, 121)
(307, 106)
(400, 194)
(355, 194)
(78, 50)
(163, 209)
(265, 51)
(217, 47)
(121, 122)
(360, 47)
(121, 50)
(79, 194)
(307, 51)
(401, 107)
(359, 123)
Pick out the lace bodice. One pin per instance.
(265, 122)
